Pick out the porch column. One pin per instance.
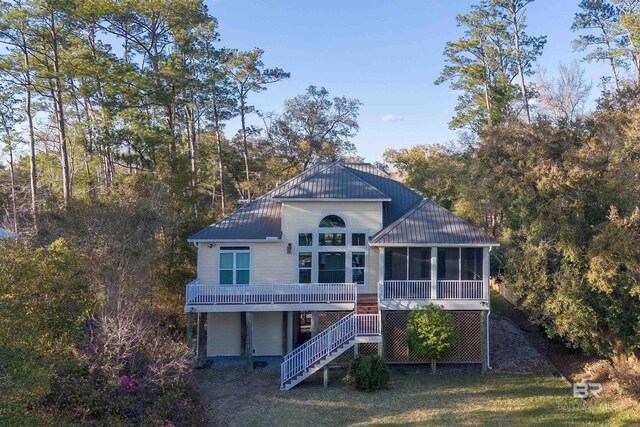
(289, 331)
(484, 331)
(248, 342)
(434, 272)
(380, 264)
(486, 266)
(189, 329)
(315, 323)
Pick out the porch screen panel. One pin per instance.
(395, 264)
(419, 263)
(471, 264)
(448, 263)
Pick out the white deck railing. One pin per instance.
(421, 289)
(406, 289)
(461, 289)
(199, 293)
(326, 342)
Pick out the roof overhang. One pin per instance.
(439, 245)
(268, 240)
(290, 199)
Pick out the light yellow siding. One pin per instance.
(223, 334)
(300, 215)
(267, 333)
(270, 262)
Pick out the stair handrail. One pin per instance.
(319, 346)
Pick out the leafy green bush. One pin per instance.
(368, 373)
(431, 331)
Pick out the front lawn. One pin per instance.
(413, 397)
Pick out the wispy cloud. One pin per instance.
(392, 118)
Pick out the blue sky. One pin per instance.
(387, 54)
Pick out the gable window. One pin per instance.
(358, 239)
(332, 221)
(304, 267)
(357, 267)
(305, 239)
(331, 239)
(235, 265)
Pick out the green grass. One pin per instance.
(415, 398)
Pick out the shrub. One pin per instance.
(368, 373)
(431, 331)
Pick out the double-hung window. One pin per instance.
(235, 265)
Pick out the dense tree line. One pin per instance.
(559, 188)
(115, 130)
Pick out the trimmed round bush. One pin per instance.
(368, 373)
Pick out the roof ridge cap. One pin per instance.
(301, 181)
(346, 169)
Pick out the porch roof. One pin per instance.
(431, 224)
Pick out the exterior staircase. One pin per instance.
(362, 324)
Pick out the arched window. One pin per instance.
(332, 221)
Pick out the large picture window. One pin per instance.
(331, 267)
(235, 266)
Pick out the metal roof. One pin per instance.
(335, 182)
(429, 223)
(403, 198)
(7, 234)
(407, 217)
(256, 220)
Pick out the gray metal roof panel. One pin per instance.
(430, 223)
(403, 198)
(256, 220)
(334, 182)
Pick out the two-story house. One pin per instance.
(330, 263)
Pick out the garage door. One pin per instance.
(267, 334)
(223, 335)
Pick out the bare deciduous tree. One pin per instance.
(563, 97)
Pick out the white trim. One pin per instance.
(234, 269)
(232, 308)
(348, 249)
(439, 245)
(447, 304)
(285, 199)
(273, 239)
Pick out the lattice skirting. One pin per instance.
(468, 348)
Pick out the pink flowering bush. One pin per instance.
(128, 371)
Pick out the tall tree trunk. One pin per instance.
(13, 186)
(245, 147)
(56, 92)
(516, 39)
(216, 120)
(192, 142)
(32, 139)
